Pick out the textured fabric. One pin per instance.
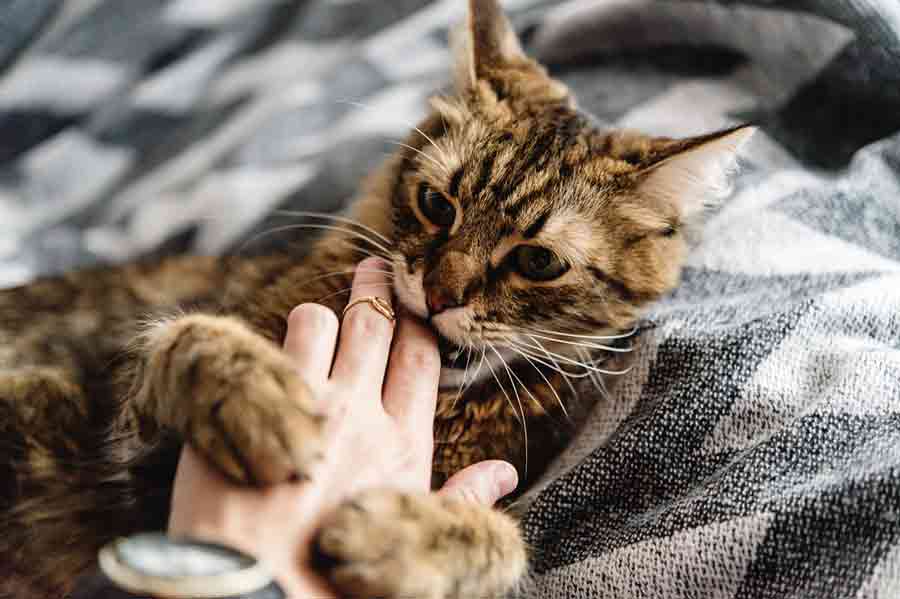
(754, 449)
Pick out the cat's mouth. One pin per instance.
(458, 365)
(463, 367)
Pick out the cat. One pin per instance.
(521, 231)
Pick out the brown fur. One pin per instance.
(94, 402)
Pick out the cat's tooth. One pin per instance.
(455, 354)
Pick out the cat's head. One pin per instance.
(517, 222)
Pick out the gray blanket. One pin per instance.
(753, 451)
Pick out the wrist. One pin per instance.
(284, 550)
(274, 525)
(290, 566)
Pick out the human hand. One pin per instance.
(379, 395)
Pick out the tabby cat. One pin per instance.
(521, 231)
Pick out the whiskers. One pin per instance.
(362, 239)
(437, 164)
(583, 367)
(540, 372)
(531, 342)
(583, 336)
(523, 420)
(442, 152)
(337, 218)
(374, 243)
(580, 344)
(572, 356)
(347, 289)
(463, 384)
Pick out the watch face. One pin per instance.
(155, 565)
(156, 555)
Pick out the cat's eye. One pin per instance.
(435, 207)
(538, 263)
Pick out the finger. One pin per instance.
(365, 337)
(310, 340)
(410, 391)
(484, 483)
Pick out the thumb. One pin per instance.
(483, 483)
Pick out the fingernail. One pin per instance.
(507, 478)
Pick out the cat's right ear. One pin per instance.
(694, 172)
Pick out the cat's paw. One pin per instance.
(238, 400)
(260, 431)
(397, 545)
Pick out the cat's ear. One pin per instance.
(486, 45)
(494, 42)
(694, 172)
(489, 59)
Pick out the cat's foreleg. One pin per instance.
(397, 545)
(232, 394)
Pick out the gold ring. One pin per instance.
(381, 305)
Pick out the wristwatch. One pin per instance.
(151, 565)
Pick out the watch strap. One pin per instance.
(98, 586)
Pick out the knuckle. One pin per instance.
(418, 356)
(313, 317)
(469, 494)
(367, 324)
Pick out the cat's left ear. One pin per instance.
(492, 44)
(488, 51)
(694, 172)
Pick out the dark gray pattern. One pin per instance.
(753, 451)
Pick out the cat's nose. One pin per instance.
(451, 282)
(439, 300)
